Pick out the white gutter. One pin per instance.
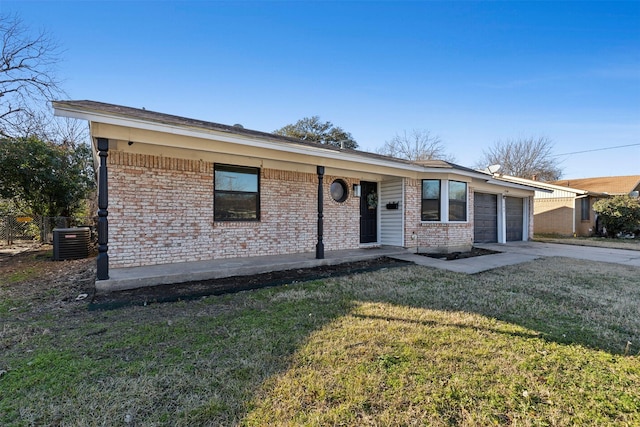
(518, 186)
(79, 113)
(235, 139)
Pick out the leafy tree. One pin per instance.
(52, 179)
(313, 130)
(27, 77)
(525, 158)
(418, 145)
(619, 214)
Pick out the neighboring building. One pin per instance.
(610, 185)
(182, 190)
(566, 208)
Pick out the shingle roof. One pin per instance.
(184, 122)
(172, 120)
(607, 184)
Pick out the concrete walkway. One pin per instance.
(470, 265)
(137, 277)
(590, 253)
(518, 252)
(510, 254)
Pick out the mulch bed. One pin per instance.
(199, 289)
(461, 255)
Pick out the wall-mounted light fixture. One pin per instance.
(356, 190)
(130, 143)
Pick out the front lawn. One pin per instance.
(551, 342)
(599, 242)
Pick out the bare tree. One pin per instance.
(417, 145)
(530, 158)
(27, 76)
(67, 132)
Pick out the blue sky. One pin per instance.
(470, 72)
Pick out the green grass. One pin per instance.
(543, 343)
(22, 275)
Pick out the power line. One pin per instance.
(596, 149)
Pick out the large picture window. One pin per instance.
(457, 201)
(236, 193)
(430, 200)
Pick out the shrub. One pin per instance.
(619, 214)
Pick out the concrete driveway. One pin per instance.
(518, 252)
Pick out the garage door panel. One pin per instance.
(485, 218)
(514, 207)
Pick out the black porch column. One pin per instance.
(320, 245)
(103, 203)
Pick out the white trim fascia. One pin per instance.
(256, 142)
(540, 186)
(247, 141)
(518, 186)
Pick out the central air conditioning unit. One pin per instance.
(71, 243)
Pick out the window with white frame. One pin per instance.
(457, 201)
(444, 200)
(430, 200)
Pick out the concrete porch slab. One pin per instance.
(137, 277)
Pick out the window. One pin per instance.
(457, 201)
(444, 200)
(430, 200)
(236, 193)
(585, 208)
(339, 190)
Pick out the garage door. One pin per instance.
(485, 218)
(514, 207)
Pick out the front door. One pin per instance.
(368, 212)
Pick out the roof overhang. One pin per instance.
(65, 110)
(519, 186)
(75, 110)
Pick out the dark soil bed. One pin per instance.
(199, 289)
(460, 255)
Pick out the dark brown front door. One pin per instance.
(368, 212)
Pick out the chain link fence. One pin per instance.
(14, 229)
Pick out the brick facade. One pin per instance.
(161, 211)
(434, 236)
(555, 216)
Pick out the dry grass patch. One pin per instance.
(599, 242)
(384, 364)
(541, 343)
